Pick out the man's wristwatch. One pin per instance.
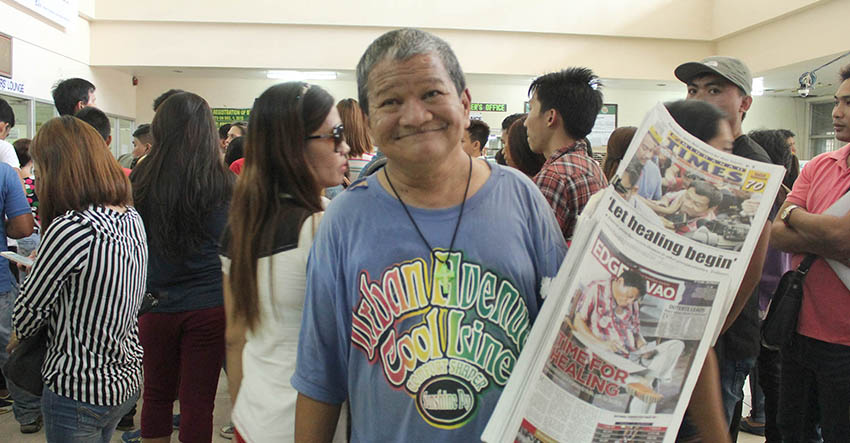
(786, 214)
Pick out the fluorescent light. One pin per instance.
(301, 75)
(758, 86)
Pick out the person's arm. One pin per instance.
(751, 278)
(580, 324)
(706, 405)
(20, 226)
(234, 339)
(661, 208)
(19, 223)
(315, 421)
(820, 234)
(63, 251)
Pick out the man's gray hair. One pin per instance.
(400, 45)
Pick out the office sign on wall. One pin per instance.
(488, 107)
(61, 12)
(223, 116)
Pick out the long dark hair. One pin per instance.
(183, 179)
(775, 143)
(275, 176)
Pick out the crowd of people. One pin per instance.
(220, 248)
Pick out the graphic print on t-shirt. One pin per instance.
(445, 350)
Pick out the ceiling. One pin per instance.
(782, 81)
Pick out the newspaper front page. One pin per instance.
(641, 296)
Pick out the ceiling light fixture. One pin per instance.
(758, 86)
(288, 75)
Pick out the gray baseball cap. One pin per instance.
(729, 68)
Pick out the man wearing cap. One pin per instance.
(727, 82)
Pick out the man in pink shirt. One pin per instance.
(819, 355)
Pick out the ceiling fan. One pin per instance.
(808, 80)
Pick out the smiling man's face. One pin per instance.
(415, 113)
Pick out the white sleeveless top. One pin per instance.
(265, 405)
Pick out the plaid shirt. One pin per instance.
(597, 307)
(567, 180)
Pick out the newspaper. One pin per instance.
(641, 296)
(838, 209)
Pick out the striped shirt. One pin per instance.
(86, 286)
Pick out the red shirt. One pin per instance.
(567, 180)
(825, 312)
(236, 166)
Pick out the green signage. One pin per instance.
(489, 107)
(223, 116)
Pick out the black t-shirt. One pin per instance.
(742, 339)
(191, 282)
(745, 147)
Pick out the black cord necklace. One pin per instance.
(419, 231)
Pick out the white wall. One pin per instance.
(43, 53)
(766, 112)
(689, 19)
(219, 92)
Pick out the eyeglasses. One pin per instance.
(337, 135)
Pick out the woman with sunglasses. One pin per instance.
(295, 148)
(182, 190)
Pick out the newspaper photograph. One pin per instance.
(692, 191)
(651, 274)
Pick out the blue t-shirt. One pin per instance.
(414, 366)
(649, 183)
(13, 203)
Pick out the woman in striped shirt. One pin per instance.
(86, 284)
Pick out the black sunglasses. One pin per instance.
(337, 134)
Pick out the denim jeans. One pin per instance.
(70, 421)
(757, 396)
(7, 300)
(26, 406)
(732, 376)
(813, 367)
(733, 373)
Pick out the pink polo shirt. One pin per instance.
(825, 312)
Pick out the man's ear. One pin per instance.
(477, 145)
(78, 106)
(108, 140)
(551, 118)
(147, 148)
(466, 101)
(746, 103)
